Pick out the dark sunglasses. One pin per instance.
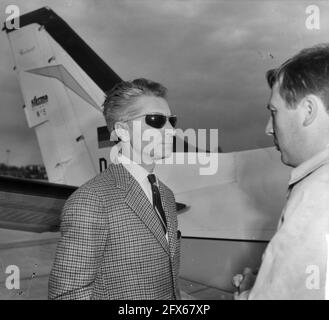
(158, 121)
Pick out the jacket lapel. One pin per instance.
(139, 203)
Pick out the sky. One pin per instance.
(211, 55)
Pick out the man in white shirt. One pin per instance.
(119, 230)
(295, 263)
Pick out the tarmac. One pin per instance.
(34, 253)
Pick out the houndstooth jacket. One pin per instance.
(113, 245)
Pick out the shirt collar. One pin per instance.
(309, 166)
(137, 171)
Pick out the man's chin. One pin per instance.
(163, 155)
(285, 161)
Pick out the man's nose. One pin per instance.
(269, 127)
(169, 129)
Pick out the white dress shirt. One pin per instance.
(140, 174)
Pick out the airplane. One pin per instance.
(226, 218)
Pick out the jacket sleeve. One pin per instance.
(79, 254)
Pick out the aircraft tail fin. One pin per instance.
(63, 83)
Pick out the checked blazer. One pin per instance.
(113, 245)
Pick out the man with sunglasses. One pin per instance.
(119, 230)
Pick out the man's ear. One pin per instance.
(122, 131)
(310, 108)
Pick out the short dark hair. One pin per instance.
(305, 73)
(124, 94)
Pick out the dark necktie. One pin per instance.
(157, 201)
